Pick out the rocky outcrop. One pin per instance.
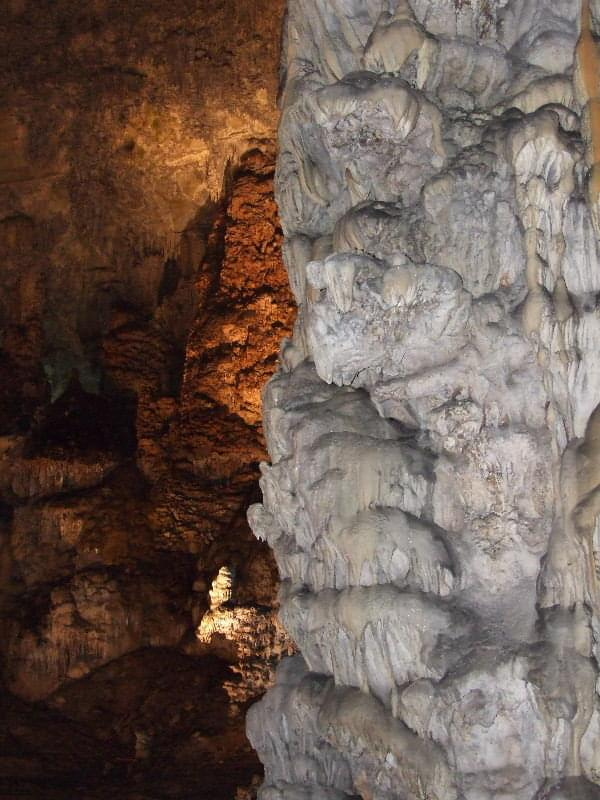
(141, 307)
(432, 497)
(116, 527)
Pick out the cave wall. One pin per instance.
(116, 134)
(142, 301)
(432, 500)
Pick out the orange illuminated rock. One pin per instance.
(142, 302)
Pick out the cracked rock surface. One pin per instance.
(433, 501)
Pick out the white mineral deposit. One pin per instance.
(433, 501)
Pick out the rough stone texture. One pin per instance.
(115, 140)
(433, 497)
(142, 302)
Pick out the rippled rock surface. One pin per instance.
(433, 499)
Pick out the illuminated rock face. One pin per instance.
(116, 618)
(142, 302)
(433, 500)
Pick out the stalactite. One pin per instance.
(433, 501)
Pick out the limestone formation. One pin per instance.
(222, 588)
(433, 501)
(142, 301)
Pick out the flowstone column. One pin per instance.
(434, 496)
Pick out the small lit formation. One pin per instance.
(219, 619)
(222, 588)
(250, 637)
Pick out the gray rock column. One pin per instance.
(434, 495)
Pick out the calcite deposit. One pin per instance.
(142, 301)
(433, 501)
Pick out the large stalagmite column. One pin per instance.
(434, 496)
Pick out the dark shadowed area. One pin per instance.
(142, 303)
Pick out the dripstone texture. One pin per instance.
(434, 495)
(142, 302)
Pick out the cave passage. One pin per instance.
(143, 300)
(123, 508)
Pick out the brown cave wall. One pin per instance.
(142, 304)
(118, 123)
